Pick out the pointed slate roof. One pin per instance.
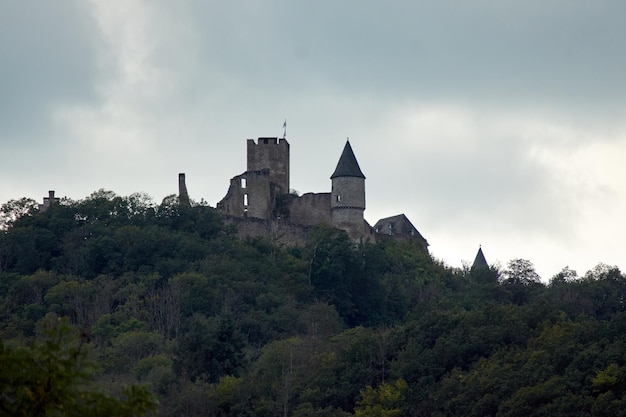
(398, 225)
(347, 165)
(480, 262)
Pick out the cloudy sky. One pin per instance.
(499, 123)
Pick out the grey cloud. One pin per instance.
(555, 51)
(488, 186)
(218, 73)
(48, 56)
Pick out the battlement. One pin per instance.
(268, 141)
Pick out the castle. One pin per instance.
(259, 200)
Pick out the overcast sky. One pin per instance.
(499, 123)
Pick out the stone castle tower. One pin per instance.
(271, 154)
(347, 201)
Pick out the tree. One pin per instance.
(12, 210)
(211, 348)
(333, 269)
(521, 280)
(521, 271)
(385, 401)
(52, 377)
(566, 275)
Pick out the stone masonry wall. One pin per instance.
(249, 195)
(310, 209)
(279, 232)
(348, 192)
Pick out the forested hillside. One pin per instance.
(165, 296)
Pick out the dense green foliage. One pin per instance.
(168, 297)
(51, 377)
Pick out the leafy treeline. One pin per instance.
(166, 296)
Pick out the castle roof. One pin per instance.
(480, 262)
(347, 165)
(398, 225)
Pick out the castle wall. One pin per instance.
(259, 192)
(270, 154)
(350, 220)
(310, 209)
(249, 195)
(280, 232)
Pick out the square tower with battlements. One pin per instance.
(271, 154)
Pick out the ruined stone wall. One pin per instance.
(258, 191)
(310, 209)
(249, 195)
(270, 154)
(183, 195)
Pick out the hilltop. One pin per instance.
(167, 295)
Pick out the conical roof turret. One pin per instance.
(347, 165)
(480, 262)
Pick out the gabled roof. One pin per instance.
(398, 225)
(347, 165)
(480, 262)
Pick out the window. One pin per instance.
(245, 200)
(338, 198)
(244, 183)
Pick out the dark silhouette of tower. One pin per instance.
(183, 195)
